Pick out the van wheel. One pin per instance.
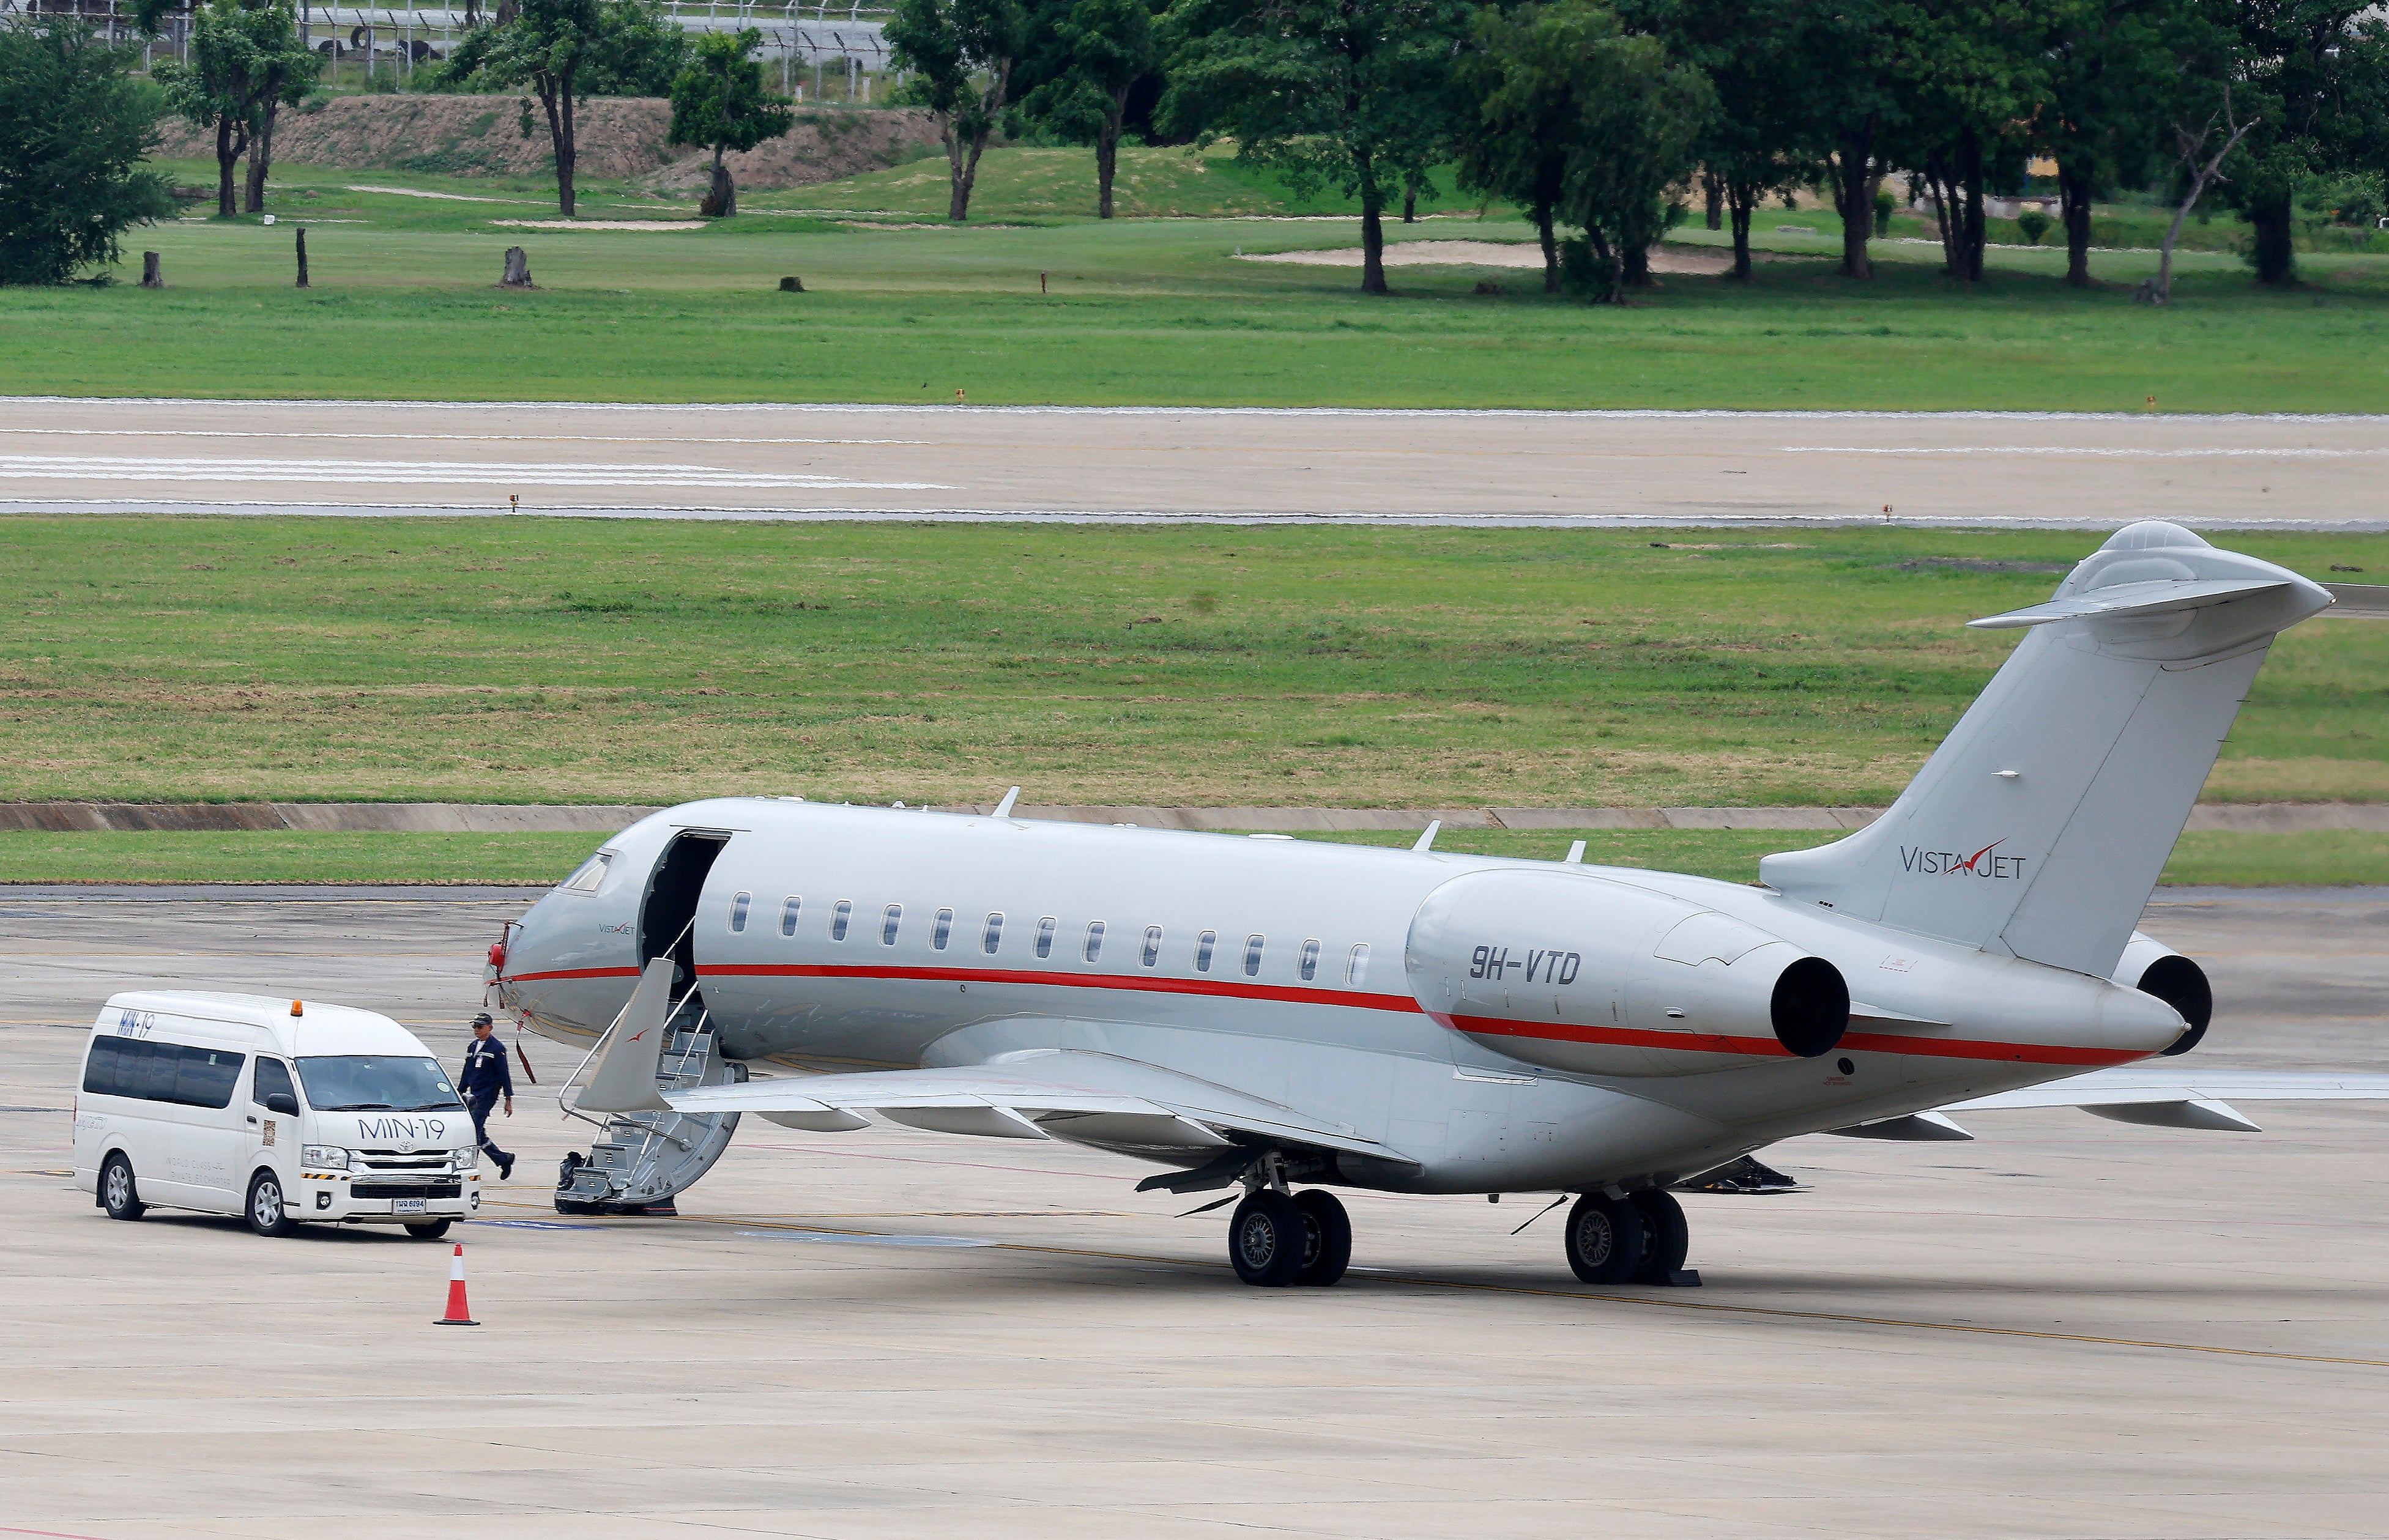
(117, 1193)
(266, 1215)
(431, 1231)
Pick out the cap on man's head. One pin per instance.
(483, 1020)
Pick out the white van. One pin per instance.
(276, 1110)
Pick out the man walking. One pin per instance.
(485, 1079)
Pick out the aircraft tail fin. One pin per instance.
(2041, 823)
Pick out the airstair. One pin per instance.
(641, 1160)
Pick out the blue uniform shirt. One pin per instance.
(486, 1070)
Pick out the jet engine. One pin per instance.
(1587, 974)
(2153, 968)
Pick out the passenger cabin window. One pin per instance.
(739, 904)
(942, 930)
(1309, 964)
(891, 918)
(991, 937)
(1094, 946)
(1045, 936)
(791, 908)
(840, 915)
(591, 873)
(1252, 955)
(1356, 965)
(272, 1078)
(1203, 945)
(161, 1072)
(1152, 944)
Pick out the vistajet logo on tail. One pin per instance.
(1982, 863)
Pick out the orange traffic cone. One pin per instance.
(458, 1313)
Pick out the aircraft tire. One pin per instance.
(1605, 1239)
(1267, 1240)
(1327, 1238)
(1665, 1235)
(117, 1192)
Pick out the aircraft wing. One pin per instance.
(1095, 1099)
(2183, 1097)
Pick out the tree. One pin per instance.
(567, 49)
(2111, 70)
(1104, 49)
(2200, 169)
(1519, 73)
(243, 56)
(284, 82)
(74, 127)
(1354, 94)
(1755, 142)
(961, 54)
(718, 100)
(1633, 139)
(2306, 73)
(1970, 78)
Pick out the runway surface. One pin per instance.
(2071, 1327)
(1658, 469)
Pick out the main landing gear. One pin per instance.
(1276, 1238)
(1638, 1239)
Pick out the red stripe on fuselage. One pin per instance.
(568, 972)
(1859, 1042)
(1217, 988)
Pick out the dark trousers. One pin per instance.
(482, 1103)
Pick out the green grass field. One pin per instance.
(2201, 859)
(1149, 311)
(483, 659)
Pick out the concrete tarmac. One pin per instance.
(2071, 1327)
(1579, 468)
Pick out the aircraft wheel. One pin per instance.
(1327, 1238)
(1605, 1239)
(1665, 1235)
(117, 1194)
(1267, 1240)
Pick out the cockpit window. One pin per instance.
(592, 874)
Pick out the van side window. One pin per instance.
(1356, 966)
(1309, 966)
(1252, 955)
(739, 904)
(991, 937)
(1152, 944)
(888, 920)
(791, 908)
(840, 913)
(942, 930)
(1203, 945)
(1045, 935)
(1094, 946)
(162, 1072)
(272, 1078)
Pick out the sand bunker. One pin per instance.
(1667, 258)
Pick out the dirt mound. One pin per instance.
(619, 136)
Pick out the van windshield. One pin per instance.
(376, 1083)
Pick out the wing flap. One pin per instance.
(2135, 1085)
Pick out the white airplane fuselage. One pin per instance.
(1494, 1024)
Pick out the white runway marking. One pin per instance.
(61, 468)
(2298, 453)
(430, 438)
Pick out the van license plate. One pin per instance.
(406, 1205)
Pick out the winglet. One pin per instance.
(624, 1080)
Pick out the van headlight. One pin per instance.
(330, 1156)
(464, 1160)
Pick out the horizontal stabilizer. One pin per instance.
(1916, 1127)
(2137, 1086)
(1093, 1099)
(2122, 600)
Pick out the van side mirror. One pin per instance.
(283, 1102)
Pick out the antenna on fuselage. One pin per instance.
(1576, 853)
(1426, 841)
(1004, 809)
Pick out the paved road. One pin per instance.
(1596, 469)
(2071, 1327)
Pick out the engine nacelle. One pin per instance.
(1587, 974)
(2153, 968)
